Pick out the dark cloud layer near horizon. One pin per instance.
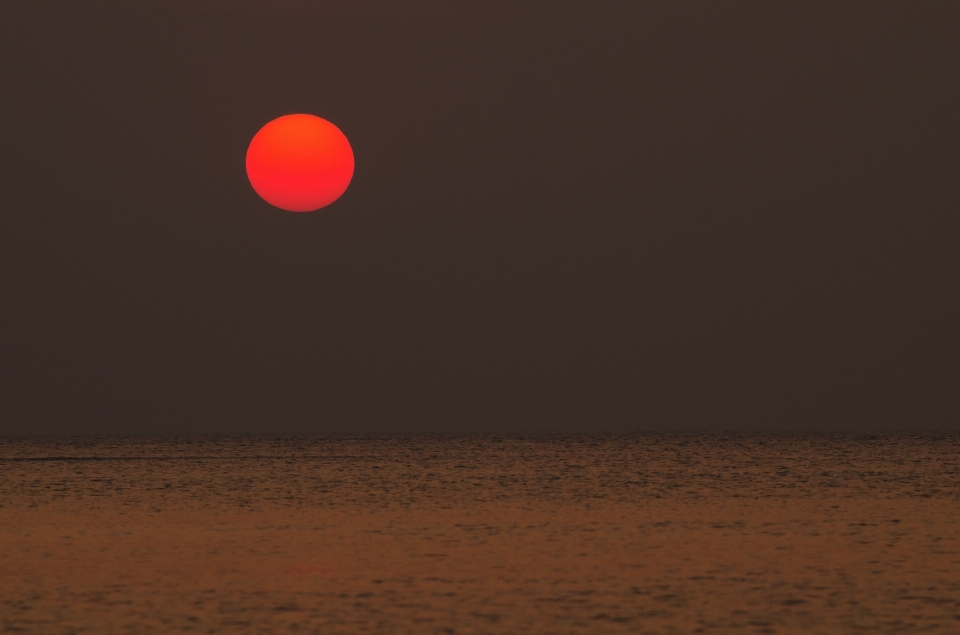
(566, 216)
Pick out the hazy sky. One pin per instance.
(566, 216)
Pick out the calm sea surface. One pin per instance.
(646, 534)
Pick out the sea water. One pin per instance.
(640, 534)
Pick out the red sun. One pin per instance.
(300, 163)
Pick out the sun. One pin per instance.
(300, 163)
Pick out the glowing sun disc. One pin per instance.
(300, 163)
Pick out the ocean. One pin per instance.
(606, 534)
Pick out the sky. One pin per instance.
(566, 217)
